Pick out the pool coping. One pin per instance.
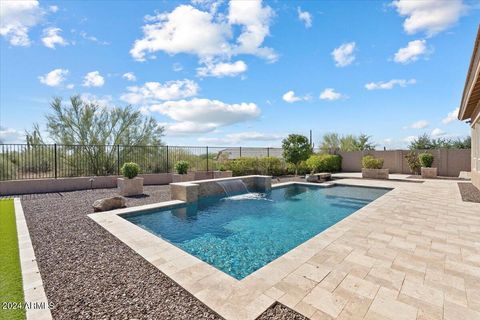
(230, 298)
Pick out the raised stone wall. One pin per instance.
(191, 191)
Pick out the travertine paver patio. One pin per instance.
(412, 254)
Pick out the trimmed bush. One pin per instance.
(324, 163)
(182, 167)
(302, 168)
(251, 165)
(370, 162)
(130, 170)
(426, 159)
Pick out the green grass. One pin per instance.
(11, 289)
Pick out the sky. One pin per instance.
(230, 73)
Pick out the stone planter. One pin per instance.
(222, 174)
(375, 173)
(130, 187)
(429, 173)
(183, 177)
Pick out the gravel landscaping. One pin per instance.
(469, 192)
(90, 274)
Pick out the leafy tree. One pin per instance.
(96, 129)
(348, 143)
(296, 148)
(425, 142)
(363, 143)
(330, 143)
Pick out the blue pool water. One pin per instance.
(241, 234)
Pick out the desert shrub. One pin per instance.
(324, 163)
(425, 159)
(302, 168)
(243, 166)
(7, 169)
(130, 170)
(413, 162)
(252, 165)
(370, 162)
(271, 166)
(182, 167)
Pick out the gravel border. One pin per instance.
(90, 274)
(469, 192)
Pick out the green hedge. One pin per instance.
(324, 163)
(370, 162)
(252, 165)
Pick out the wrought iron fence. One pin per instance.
(22, 161)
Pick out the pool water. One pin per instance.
(241, 234)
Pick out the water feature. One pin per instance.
(233, 187)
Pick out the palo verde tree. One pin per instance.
(296, 148)
(332, 143)
(95, 129)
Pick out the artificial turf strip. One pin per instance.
(11, 289)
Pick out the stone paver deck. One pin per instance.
(414, 253)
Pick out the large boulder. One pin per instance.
(107, 204)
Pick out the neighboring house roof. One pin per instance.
(471, 92)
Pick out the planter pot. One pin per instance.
(222, 174)
(183, 177)
(429, 173)
(130, 187)
(375, 173)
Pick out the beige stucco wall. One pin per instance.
(448, 161)
(15, 187)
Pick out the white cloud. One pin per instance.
(93, 79)
(53, 9)
(387, 141)
(389, 84)
(207, 34)
(204, 115)
(177, 67)
(10, 135)
(410, 139)
(344, 55)
(305, 17)
(411, 52)
(330, 94)
(437, 132)
(451, 116)
(430, 16)
(153, 92)
(54, 78)
(104, 101)
(93, 39)
(130, 76)
(290, 97)
(421, 124)
(222, 69)
(70, 86)
(235, 138)
(16, 19)
(51, 38)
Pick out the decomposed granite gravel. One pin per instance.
(90, 274)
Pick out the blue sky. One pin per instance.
(244, 73)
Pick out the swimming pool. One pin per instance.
(241, 234)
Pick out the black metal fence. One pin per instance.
(22, 161)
